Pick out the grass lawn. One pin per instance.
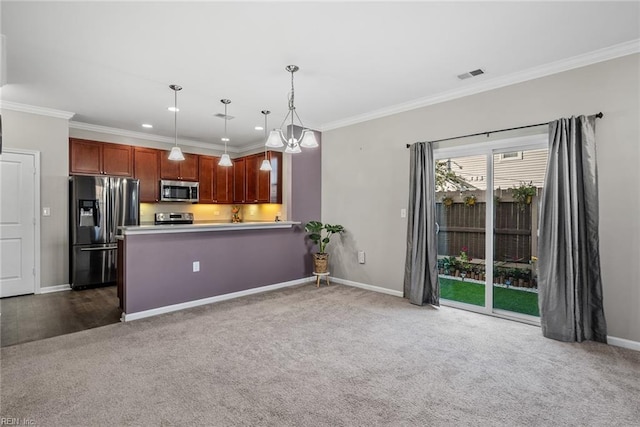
(503, 298)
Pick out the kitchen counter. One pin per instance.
(202, 226)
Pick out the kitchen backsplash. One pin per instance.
(205, 212)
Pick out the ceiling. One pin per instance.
(111, 63)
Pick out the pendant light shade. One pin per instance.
(277, 137)
(309, 139)
(293, 147)
(266, 164)
(176, 152)
(225, 160)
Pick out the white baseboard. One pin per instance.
(368, 287)
(621, 342)
(175, 307)
(56, 288)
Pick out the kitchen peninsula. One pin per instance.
(165, 268)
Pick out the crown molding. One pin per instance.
(149, 137)
(42, 111)
(600, 55)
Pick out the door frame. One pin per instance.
(36, 208)
(489, 149)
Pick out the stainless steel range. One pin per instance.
(168, 218)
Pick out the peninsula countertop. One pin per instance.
(201, 226)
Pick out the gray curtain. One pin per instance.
(421, 265)
(570, 287)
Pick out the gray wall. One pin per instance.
(50, 136)
(365, 173)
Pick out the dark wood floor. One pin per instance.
(34, 317)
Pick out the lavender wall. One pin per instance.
(306, 186)
(159, 266)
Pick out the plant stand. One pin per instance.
(319, 276)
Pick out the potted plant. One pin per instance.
(524, 193)
(315, 233)
(470, 200)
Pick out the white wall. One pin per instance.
(49, 136)
(365, 177)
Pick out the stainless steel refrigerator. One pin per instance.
(98, 205)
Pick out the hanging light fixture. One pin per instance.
(225, 160)
(176, 152)
(266, 164)
(277, 137)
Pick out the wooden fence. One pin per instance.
(464, 226)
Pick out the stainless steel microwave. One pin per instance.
(179, 191)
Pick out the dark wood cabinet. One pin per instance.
(147, 170)
(244, 182)
(99, 158)
(224, 184)
(270, 183)
(252, 172)
(185, 170)
(252, 185)
(239, 180)
(207, 177)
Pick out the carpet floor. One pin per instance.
(329, 356)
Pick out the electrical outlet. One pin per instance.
(216, 213)
(196, 266)
(361, 257)
(46, 211)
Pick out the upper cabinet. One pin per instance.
(239, 180)
(147, 170)
(244, 182)
(184, 170)
(99, 158)
(252, 185)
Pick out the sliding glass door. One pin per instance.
(487, 212)
(460, 214)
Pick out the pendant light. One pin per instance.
(176, 152)
(266, 164)
(307, 137)
(225, 160)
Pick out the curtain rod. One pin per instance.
(599, 116)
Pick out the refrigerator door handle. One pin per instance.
(106, 248)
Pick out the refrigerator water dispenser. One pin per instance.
(88, 213)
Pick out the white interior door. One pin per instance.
(17, 224)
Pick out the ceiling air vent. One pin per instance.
(222, 116)
(470, 74)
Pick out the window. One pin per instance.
(514, 155)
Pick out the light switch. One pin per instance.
(46, 211)
(403, 213)
(196, 266)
